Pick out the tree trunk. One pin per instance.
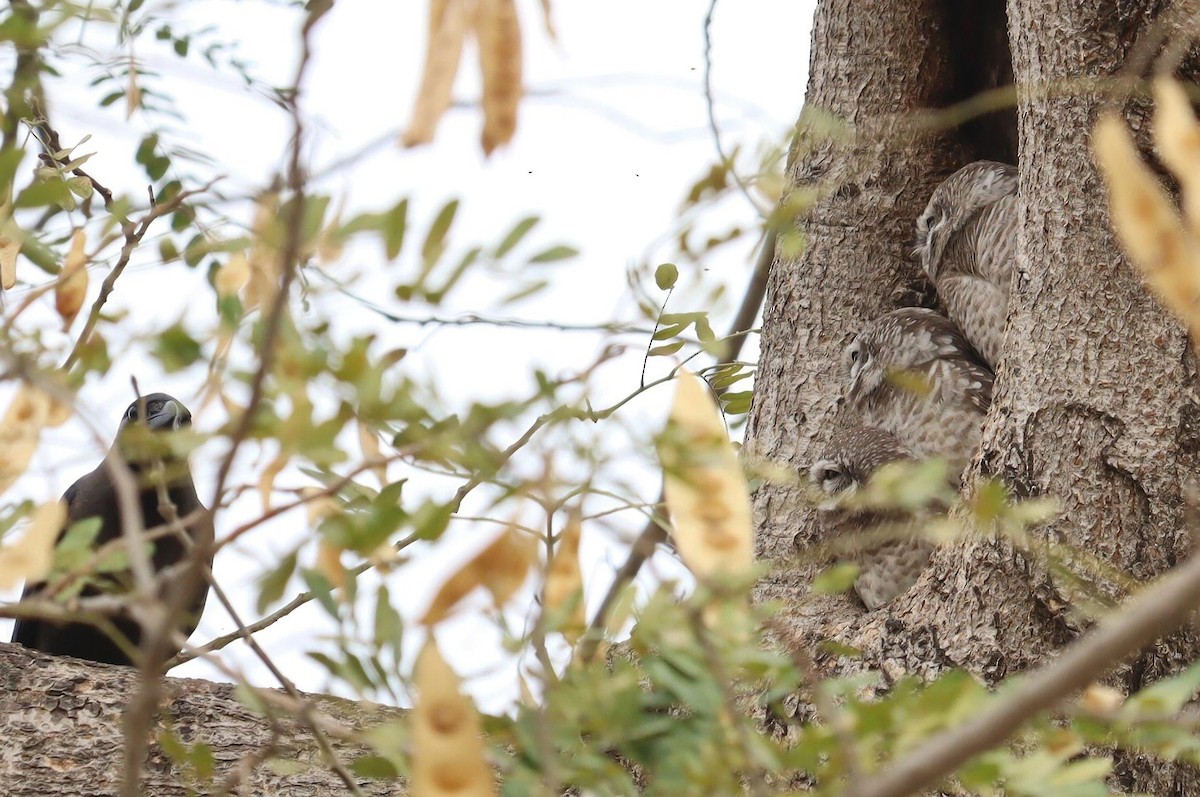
(1096, 398)
(60, 720)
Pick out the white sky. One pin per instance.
(609, 142)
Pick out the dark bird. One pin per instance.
(139, 443)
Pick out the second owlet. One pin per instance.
(850, 459)
(911, 372)
(967, 243)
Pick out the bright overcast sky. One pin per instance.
(612, 136)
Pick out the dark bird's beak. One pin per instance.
(171, 415)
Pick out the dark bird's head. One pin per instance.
(159, 411)
(140, 437)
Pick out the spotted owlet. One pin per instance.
(967, 243)
(911, 372)
(850, 459)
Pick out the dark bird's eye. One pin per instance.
(131, 413)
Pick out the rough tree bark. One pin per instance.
(60, 722)
(1096, 399)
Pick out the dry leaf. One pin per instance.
(499, 33)
(1146, 222)
(329, 563)
(30, 557)
(448, 23)
(501, 568)
(19, 432)
(1100, 699)
(133, 95)
(266, 482)
(447, 757)
(1177, 139)
(263, 260)
(10, 247)
(231, 276)
(548, 21)
(564, 580)
(372, 455)
(72, 285)
(705, 489)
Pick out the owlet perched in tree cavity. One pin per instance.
(913, 374)
(850, 459)
(967, 242)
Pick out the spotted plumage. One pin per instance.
(848, 462)
(913, 374)
(967, 244)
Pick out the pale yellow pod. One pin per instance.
(564, 579)
(501, 568)
(10, 247)
(329, 563)
(19, 432)
(266, 482)
(1146, 222)
(30, 557)
(133, 94)
(448, 24)
(1177, 139)
(500, 61)
(318, 505)
(71, 288)
(1100, 699)
(231, 276)
(705, 489)
(448, 755)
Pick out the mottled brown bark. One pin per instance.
(1096, 399)
(61, 733)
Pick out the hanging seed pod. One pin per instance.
(19, 432)
(499, 33)
(1146, 222)
(231, 276)
(30, 557)
(705, 489)
(448, 24)
(448, 758)
(72, 285)
(1177, 139)
(372, 454)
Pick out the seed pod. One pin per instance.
(19, 432)
(31, 556)
(1177, 139)
(499, 33)
(447, 758)
(263, 260)
(1146, 222)
(10, 247)
(72, 285)
(448, 23)
(501, 568)
(705, 489)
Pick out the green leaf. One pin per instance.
(554, 253)
(321, 589)
(272, 585)
(43, 193)
(666, 275)
(434, 244)
(176, 349)
(838, 578)
(375, 767)
(670, 348)
(515, 235)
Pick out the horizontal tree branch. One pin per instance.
(61, 722)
